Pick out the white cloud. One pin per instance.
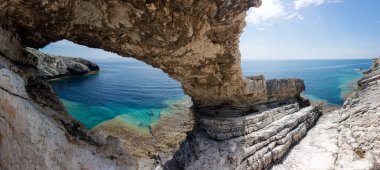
(299, 4)
(269, 10)
(295, 15)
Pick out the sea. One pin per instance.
(138, 93)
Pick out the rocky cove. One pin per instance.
(239, 123)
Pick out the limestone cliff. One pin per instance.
(35, 130)
(359, 140)
(347, 138)
(51, 66)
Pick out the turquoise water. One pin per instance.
(138, 93)
(131, 90)
(325, 80)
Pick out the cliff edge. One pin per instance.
(52, 66)
(347, 138)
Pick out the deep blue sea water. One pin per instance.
(137, 93)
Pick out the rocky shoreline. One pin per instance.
(347, 138)
(52, 67)
(164, 138)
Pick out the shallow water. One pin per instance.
(137, 93)
(325, 80)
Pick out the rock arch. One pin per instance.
(194, 41)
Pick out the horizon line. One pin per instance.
(308, 59)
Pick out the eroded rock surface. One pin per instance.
(257, 148)
(359, 140)
(35, 130)
(31, 139)
(344, 139)
(318, 150)
(51, 66)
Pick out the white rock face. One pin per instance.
(318, 150)
(267, 138)
(33, 136)
(345, 139)
(359, 127)
(30, 139)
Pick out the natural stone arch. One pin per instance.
(194, 41)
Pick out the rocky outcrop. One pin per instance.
(359, 141)
(35, 130)
(28, 138)
(347, 138)
(371, 75)
(263, 94)
(252, 142)
(51, 66)
(374, 67)
(318, 150)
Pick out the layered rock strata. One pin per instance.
(347, 138)
(359, 140)
(318, 150)
(263, 94)
(51, 66)
(255, 142)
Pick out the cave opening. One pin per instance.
(124, 90)
(126, 99)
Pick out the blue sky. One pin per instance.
(310, 29)
(292, 29)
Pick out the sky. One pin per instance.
(292, 29)
(312, 29)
